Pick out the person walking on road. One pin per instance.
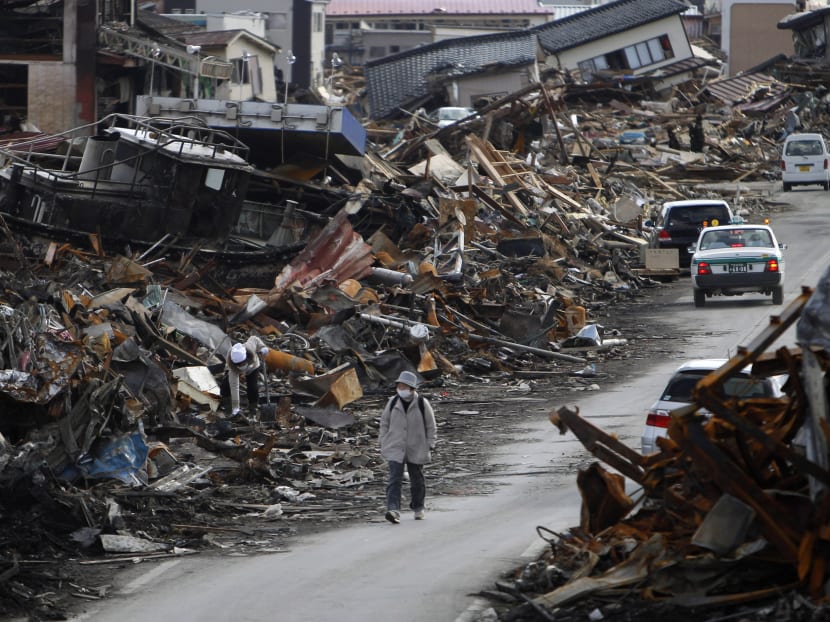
(407, 436)
(243, 361)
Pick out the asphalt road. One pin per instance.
(426, 571)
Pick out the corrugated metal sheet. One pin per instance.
(672, 69)
(335, 254)
(751, 91)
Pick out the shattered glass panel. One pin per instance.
(154, 296)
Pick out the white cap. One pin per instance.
(238, 353)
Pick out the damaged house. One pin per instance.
(617, 42)
(458, 71)
(810, 63)
(621, 40)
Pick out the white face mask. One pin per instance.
(405, 393)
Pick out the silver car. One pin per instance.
(678, 393)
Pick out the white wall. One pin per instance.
(278, 27)
(464, 92)
(671, 26)
(403, 39)
(318, 42)
(266, 65)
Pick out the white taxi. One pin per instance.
(736, 259)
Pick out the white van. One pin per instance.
(804, 161)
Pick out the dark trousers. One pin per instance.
(251, 387)
(417, 486)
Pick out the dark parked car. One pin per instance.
(680, 223)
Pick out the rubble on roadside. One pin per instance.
(728, 517)
(482, 252)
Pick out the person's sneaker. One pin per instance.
(419, 515)
(393, 517)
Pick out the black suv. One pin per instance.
(680, 223)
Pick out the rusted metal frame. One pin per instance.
(776, 521)
(755, 462)
(772, 363)
(783, 425)
(776, 445)
(758, 459)
(678, 507)
(707, 388)
(770, 444)
(792, 363)
(603, 445)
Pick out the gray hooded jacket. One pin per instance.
(407, 436)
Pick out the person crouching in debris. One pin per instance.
(243, 360)
(407, 435)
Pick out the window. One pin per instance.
(318, 22)
(656, 50)
(246, 70)
(241, 70)
(632, 57)
(810, 42)
(394, 49)
(587, 68)
(377, 51)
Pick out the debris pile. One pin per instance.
(730, 514)
(465, 257)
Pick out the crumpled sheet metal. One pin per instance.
(335, 254)
(57, 361)
(204, 332)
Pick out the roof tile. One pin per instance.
(394, 81)
(604, 20)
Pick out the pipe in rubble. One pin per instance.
(394, 323)
(391, 277)
(532, 350)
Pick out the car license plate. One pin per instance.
(738, 267)
(804, 168)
